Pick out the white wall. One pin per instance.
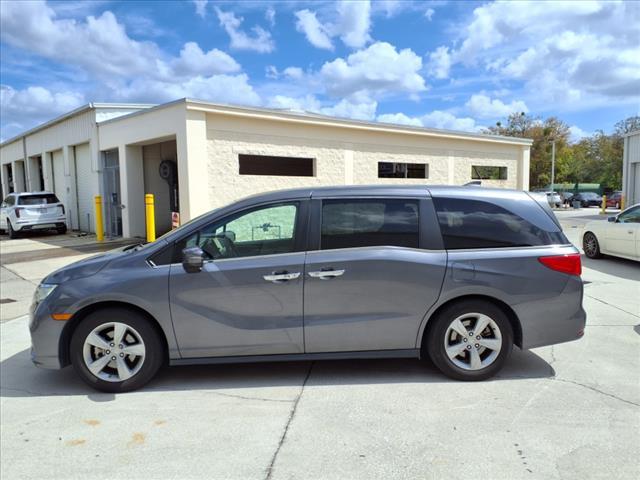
(153, 155)
(88, 186)
(345, 157)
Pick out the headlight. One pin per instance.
(42, 292)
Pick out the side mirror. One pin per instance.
(192, 259)
(612, 219)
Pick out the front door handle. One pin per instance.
(326, 274)
(280, 277)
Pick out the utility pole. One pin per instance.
(553, 163)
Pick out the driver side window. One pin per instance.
(262, 231)
(630, 216)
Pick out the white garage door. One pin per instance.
(636, 182)
(58, 176)
(87, 187)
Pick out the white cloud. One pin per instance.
(576, 133)
(233, 89)
(295, 73)
(440, 62)
(271, 71)
(583, 52)
(315, 31)
(380, 68)
(363, 110)
(483, 106)
(399, 119)
(448, 121)
(428, 13)
(34, 105)
(201, 7)
(351, 21)
(355, 23)
(260, 41)
(270, 16)
(359, 109)
(436, 119)
(193, 61)
(100, 44)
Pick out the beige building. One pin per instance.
(195, 156)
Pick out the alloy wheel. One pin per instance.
(590, 245)
(114, 352)
(473, 341)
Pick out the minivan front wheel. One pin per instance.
(470, 340)
(116, 350)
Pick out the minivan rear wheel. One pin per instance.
(10, 231)
(470, 340)
(116, 350)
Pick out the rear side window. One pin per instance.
(477, 224)
(369, 222)
(37, 199)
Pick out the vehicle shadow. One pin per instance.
(20, 378)
(618, 267)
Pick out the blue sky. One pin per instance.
(454, 65)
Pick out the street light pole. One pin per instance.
(553, 163)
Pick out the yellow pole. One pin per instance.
(621, 202)
(99, 223)
(604, 204)
(151, 217)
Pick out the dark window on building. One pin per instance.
(402, 170)
(370, 222)
(277, 166)
(479, 172)
(477, 224)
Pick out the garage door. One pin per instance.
(58, 176)
(635, 171)
(87, 187)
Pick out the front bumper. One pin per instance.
(46, 338)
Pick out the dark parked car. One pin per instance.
(454, 273)
(588, 199)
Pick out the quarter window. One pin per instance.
(479, 172)
(478, 224)
(263, 231)
(365, 223)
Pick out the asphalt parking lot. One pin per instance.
(571, 411)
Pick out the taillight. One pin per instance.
(569, 263)
(18, 210)
(62, 208)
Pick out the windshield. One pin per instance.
(37, 199)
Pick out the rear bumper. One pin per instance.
(553, 320)
(40, 224)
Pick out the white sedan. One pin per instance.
(619, 236)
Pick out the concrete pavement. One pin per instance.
(571, 411)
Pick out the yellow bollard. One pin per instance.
(604, 205)
(621, 202)
(99, 223)
(151, 217)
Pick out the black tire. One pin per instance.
(10, 231)
(154, 349)
(437, 331)
(61, 230)
(591, 246)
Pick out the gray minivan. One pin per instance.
(458, 274)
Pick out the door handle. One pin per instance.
(280, 277)
(326, 274)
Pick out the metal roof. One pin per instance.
(74, 112)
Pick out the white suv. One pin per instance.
(28, 211)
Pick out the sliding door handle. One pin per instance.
(279, 277)
(326, 274)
